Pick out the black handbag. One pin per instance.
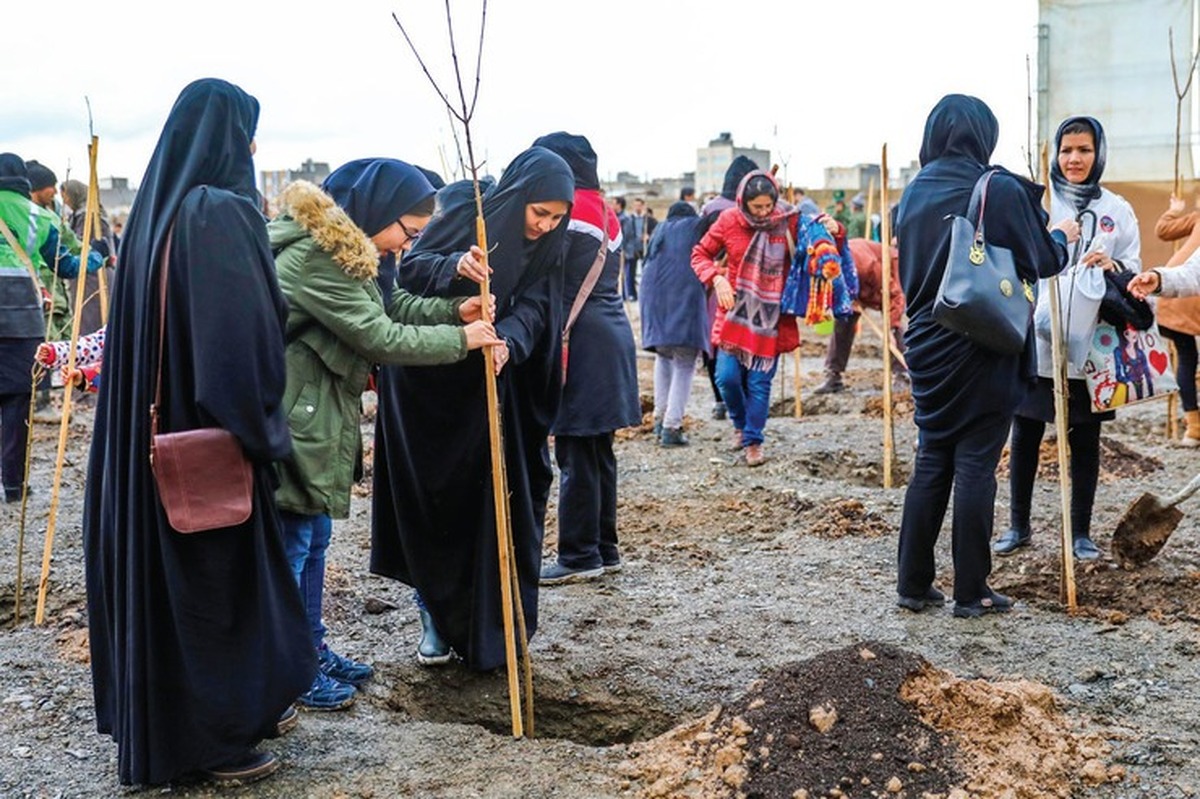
(1120, 308)
(981, 296)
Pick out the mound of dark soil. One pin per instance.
(873, 720)
(838, 722)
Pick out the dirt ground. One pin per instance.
(750, 647)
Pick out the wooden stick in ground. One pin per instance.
(1173, 397)
(1067, 583)
(885, 339)
(869, 209)
(885, 281)
(797, 411)
(93, 200)
(38, 373)
(101, 277)
(509, 579)
(519, 607)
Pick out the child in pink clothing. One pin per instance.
(89, 357)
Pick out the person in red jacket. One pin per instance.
(758, 236)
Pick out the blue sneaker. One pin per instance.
(327, 693)
(343, 669)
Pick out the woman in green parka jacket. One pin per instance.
(327, 243)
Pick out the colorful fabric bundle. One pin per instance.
(822, 283)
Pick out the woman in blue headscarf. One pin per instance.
(964, 395)
(198, 642)
(327, 248)
(433, 524)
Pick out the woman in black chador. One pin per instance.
(964, 395)
(199, 642)
(434, 518)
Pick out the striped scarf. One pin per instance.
(751, 328)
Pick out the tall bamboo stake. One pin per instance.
(509, 579)
(93, 200)
(869, 208)
(101, 277)
(885, 281)
(38, 373)
(1067, 582)
(885, 339)
(797, 412)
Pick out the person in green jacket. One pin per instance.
(327, 243)
(24, 301)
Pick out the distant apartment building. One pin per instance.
(852, 178)
(713, 160)
(271, 182)
(116, 196)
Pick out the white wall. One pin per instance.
(1110, 59)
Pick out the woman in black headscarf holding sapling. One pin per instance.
(198, 641)
(964, 394)
(328, 246)
(434, 523)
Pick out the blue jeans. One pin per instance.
(748, 402)
(305, 539)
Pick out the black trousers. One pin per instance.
(587, 501)
(1185, 365)
(966, 465)
(1085, 471)
(14, 437)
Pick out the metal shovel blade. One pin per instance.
(1143, 530)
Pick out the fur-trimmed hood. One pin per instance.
(316, 215)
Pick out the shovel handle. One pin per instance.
(1185, 492)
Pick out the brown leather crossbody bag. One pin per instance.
(204, 480)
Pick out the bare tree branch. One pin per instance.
(462, 97)
(462, 166)
(479, 57)
(424, 68)
(1180, 94)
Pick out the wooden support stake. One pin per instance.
(509, 579)
(93, 201)
(1172, 399)
(885, 281)
(38, 372)
(797, 412)
(1067, 582)
(504, 548)
(869, 208)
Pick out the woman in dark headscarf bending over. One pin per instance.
(198, 641)
(965, 395)
(434, 523)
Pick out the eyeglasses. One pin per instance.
(412, 235)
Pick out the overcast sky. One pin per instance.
(647, 81)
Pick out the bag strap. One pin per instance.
(979, 200)
(24, 256)
(162, 323)
(589, 282)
